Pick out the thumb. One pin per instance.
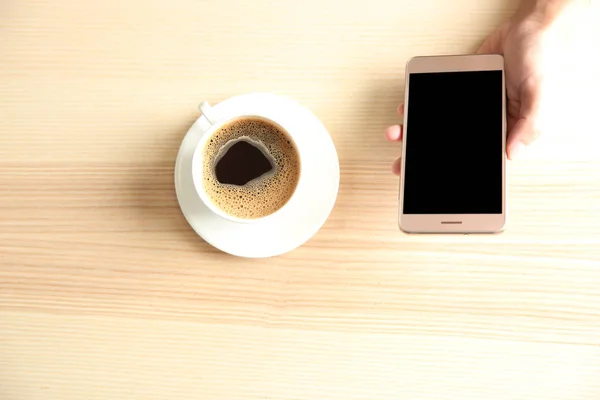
(525, 129)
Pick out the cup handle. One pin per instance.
(207, 112)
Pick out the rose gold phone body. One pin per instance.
(452, 223)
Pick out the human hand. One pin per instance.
(527, 41)
(522, 41)
(394, 134)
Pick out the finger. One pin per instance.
(492, 45)
(525, 129)
(394, 133)
(396, 165)
(400, 109)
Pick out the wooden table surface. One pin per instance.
(106, 292)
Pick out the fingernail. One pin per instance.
(516, 150)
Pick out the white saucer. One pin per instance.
(298, 221)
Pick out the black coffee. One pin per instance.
(242, 163)
(251, 168)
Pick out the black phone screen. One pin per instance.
(453, 142)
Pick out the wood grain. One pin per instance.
(106, 293)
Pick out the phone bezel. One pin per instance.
(452, 223)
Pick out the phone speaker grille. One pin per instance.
(452, 222)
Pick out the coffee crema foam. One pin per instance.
(269, 192)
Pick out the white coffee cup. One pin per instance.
(304, 213)
(198, 158)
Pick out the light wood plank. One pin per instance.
(105, 292)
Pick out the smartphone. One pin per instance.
(454, 148)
